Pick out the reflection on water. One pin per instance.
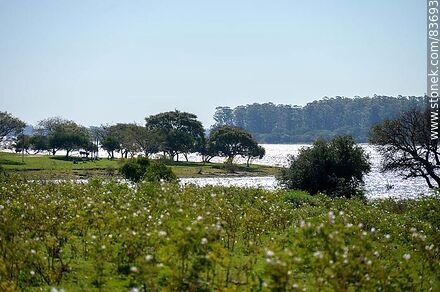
(377, 184)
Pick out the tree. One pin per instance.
(406, 146)
(223, 116)
(23, 143)
(9, 125)
(228, 141)
(255, 152)
(123, 133)
(63, 134)
(110, 144)
(335, 168)
(69, 137)
(39, 143)
(142, 139)
(178, 132)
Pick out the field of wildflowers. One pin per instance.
(112, 237)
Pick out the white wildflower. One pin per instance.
(331, 217)
(269, 253)
(318, 254)
(148, 257)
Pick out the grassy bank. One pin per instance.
(48, 166)
(109, 237)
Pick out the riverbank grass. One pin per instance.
(59, 167)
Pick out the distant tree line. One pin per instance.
(171, 133)
(325, 118)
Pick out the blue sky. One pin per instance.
(119, 61)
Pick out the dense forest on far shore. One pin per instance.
(325, 118)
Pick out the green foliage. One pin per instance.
(142, 168)
(9, 125)
(39, 143)
(335, 168)
(110, 144)
(325, 118)
(177, 132)
(133, 170)
(23, 143)
(158, 171)
(230, 141)
(69, 137)
(109, 236)
(62, 134)
(298, 198)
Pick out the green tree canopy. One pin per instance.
(9, 125)
(178, 132)
(227, 141)
(62, 134)
(69, 137)
(110, 144)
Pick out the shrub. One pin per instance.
(297, 198)
(158, 171)
(135, 169)
(141, 168)
(335, 168)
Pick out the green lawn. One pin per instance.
(36, 166)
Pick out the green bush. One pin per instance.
(142, 168)
(297, 198)
(158, 171)
(335, 168)
(133, 170)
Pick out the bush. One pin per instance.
(297, 198)
(158, 171)
(141, 168)
(335, 168)
(135, 169)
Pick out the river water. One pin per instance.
(377, 184)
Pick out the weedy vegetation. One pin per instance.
(109, 236)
